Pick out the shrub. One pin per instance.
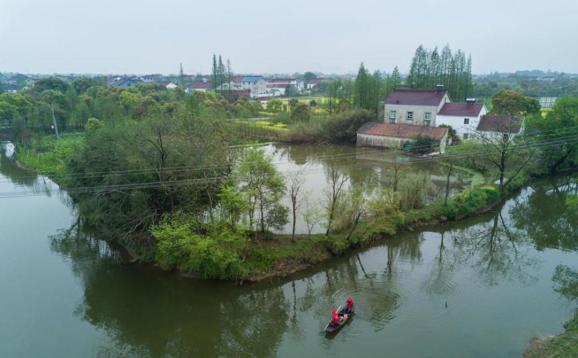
(339, 128)
(413, 190)
(572, 202)
(423, 145)
(216, 254)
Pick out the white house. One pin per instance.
(256, 84)
(171, 86)
(464, 118)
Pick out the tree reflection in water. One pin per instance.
(146, 312)
(492, 250)
(557, 230)
(439, 281)
(150, 313)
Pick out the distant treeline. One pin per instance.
(533, 84)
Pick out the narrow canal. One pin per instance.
(479, 288)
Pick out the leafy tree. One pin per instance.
(291, 91)
(308, 76)
(452, 70)
(264, 187)
(293, 102)
(510, 102)
(50, 83)
(558, 129)
(300, 113)
(275, 105)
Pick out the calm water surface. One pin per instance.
(481, 288)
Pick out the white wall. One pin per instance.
(457, 123)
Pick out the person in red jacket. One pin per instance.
(336, 318)
(349, 305)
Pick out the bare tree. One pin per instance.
(502, 144)
(311, 215)
(358, 209)
(397, 170)
(336, 181)
(295, 185)
(450, 167)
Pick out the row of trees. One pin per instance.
(366, 91)
(29, 112)
(430, 68)
(221, 75)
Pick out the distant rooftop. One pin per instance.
(416, 97)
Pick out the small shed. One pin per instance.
(390, 135)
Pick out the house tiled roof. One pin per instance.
(461, 109)
(406, 131)
(500, 123)
(416, 97)
(200, 85)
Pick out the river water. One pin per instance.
(479, 288)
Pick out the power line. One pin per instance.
(211, 180)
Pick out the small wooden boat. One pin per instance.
(330, 328)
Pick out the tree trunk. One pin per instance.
(448, 185)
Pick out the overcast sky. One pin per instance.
(268, 36)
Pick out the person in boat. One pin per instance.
(348, 305)
(337, 318)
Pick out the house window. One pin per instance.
(466, 121)
(410, 116)
(466, 135)
(427, 119)
(392, 115)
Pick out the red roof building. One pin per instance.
(500, 124)
(389, 135)
(416, 97)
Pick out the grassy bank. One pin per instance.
(241, 257)
(47, 155)
(562, 345)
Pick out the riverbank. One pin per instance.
(562, 345)
(279, 256)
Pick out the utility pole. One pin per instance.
(54, 124)
(182, 77)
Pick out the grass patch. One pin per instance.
(563, 345)
(47, 155)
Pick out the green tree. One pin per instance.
(308, 76)
(513, 103)
(559, 129)
(264, 187)
(274, 105)
(300, 113)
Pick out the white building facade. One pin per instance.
(464, 118)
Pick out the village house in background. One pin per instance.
(464, 118)
(413, 113)
(494, 126)
(390, 135)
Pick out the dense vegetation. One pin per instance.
(161, 172)
(430, 68)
